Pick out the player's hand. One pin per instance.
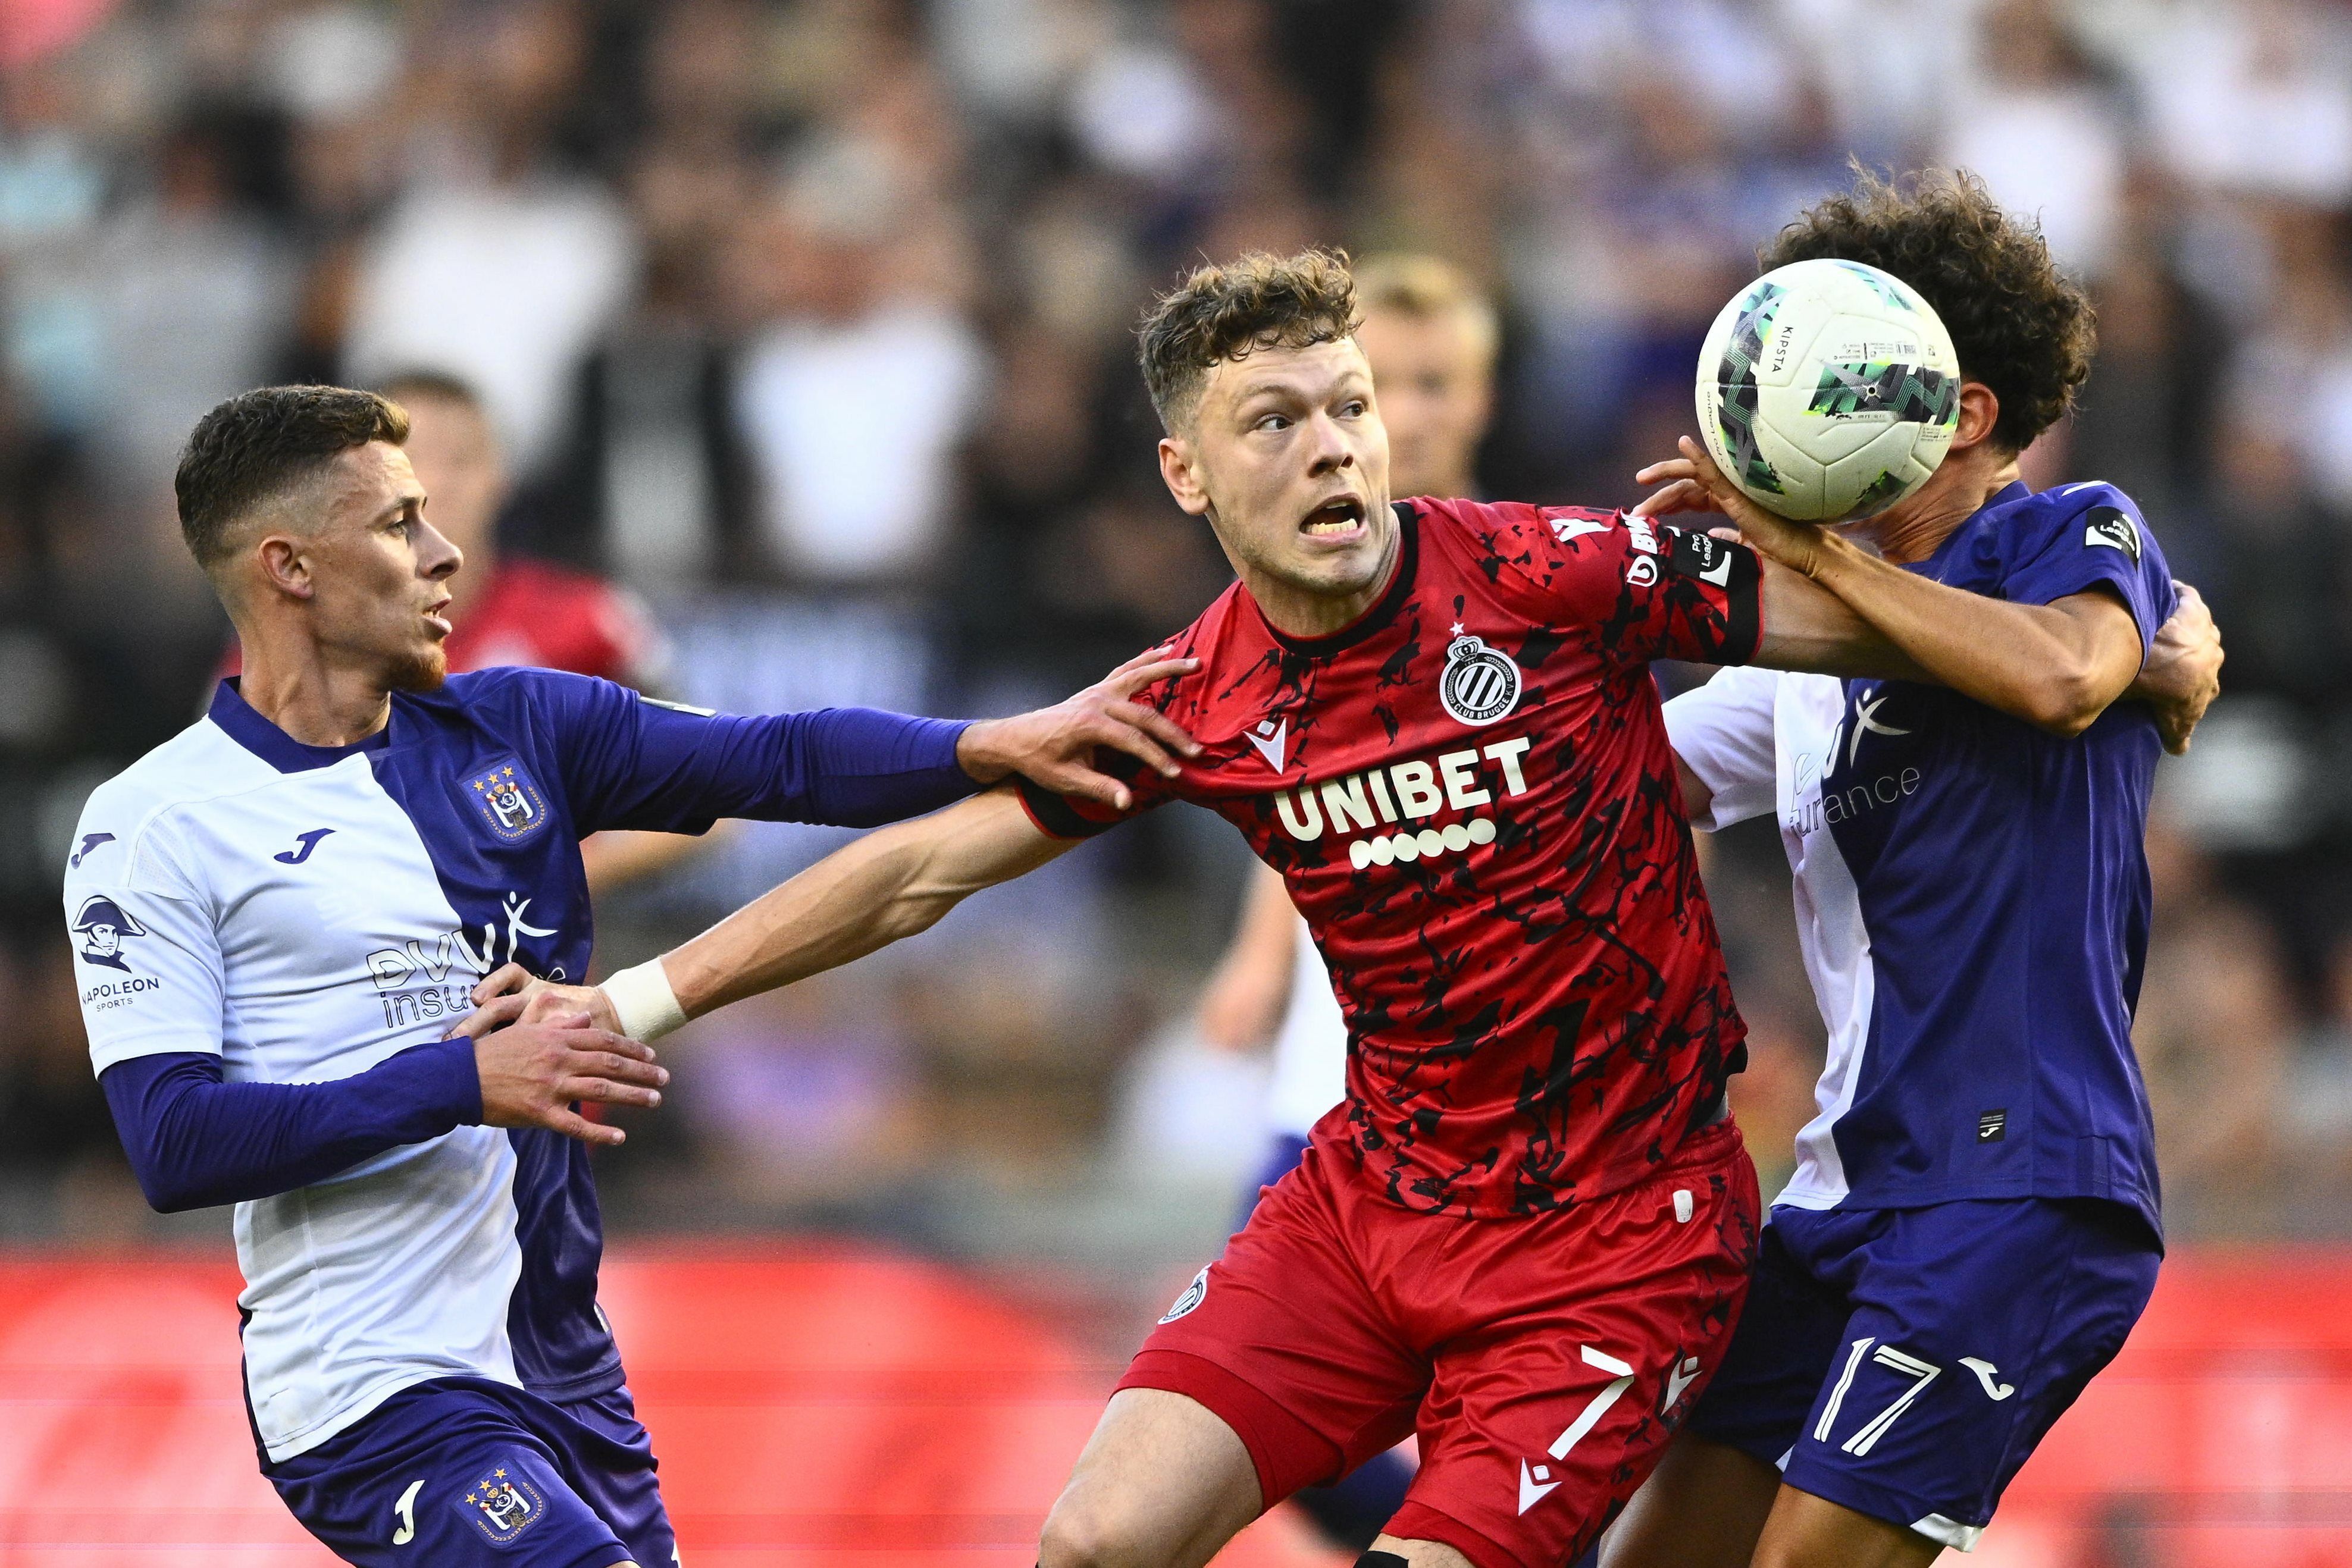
(1055, 746)
(512, 994)
(533, 1073)
(1691, 483)
(2182, 675)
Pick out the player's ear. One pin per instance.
(1980, 412)
(284, 566)
(1180, 467)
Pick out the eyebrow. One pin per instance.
(1287, 389)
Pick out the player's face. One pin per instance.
(379, 572)
(456, 459)
(1436, 385)
(1286, 458)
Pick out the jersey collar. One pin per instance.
(274, 745)
(2008, 495)
(1399, 588)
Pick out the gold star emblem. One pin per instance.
(502, 1475)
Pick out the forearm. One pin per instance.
(2037, 663)
(863, 767)
(1808, 628)
(196, 1140)
(863, 898)
(888, 885)
(677, 770)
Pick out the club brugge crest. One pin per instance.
(509, 802)
(504, 1505)
(1480, 685)
(1194, 1294)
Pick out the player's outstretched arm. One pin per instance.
(1056, 747)
(888, 885)
(2057, 666)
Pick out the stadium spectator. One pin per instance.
(590, 181)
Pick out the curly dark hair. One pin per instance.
(258, 444)
(2019, 325)
(1219, 313)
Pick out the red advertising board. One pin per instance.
(835, 1405)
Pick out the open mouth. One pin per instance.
(1338, 517)
(434, 614)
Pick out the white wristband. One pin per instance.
(642, 999)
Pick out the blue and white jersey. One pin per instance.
(304, 913)
(1972, 893)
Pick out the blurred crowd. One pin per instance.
(808, 322)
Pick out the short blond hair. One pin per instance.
(1427, 287)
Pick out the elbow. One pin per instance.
(2068, 702)
(2062, 721)
(166, 1194)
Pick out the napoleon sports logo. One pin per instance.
(102, 924)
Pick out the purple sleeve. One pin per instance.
(196, 1140)
(632, 762)
(2098, 541)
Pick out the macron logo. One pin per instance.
(1271, 737)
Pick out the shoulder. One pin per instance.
(2091, 514)
(129, 821)
(1230, 640)
(511, 688)
(1535, 545)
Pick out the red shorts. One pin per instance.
(1543, 1361)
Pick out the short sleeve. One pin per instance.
(1723, 732)
(147, 958)
(1653, 592)
(1077, 817)
(2095, 537)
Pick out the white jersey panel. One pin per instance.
(1311, 1048)
(293, 923)
(1729, 732)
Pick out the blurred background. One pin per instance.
(797, 334)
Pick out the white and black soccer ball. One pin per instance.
(1828, 390)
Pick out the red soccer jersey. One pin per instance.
(1471, 797)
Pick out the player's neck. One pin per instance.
(1919, 528)
(1299, 613)
(316, 702)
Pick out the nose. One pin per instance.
(437, 557)
(1330, 450)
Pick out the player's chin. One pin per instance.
(1334, 574)
(420, 669)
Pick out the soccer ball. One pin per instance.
(1828, 389)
